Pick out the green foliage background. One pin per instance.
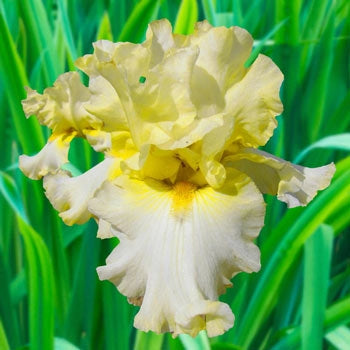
(50, 297)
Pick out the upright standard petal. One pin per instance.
(293, 184)
(49, 159)
(179, 247)
(223, 52)
(70, 195)
(251, 107)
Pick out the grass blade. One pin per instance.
(7, 314)
(318, 251)
(63, 344)
(136, 25)
(105, 29)
(67, 30)
(186, 17)
(262, 42)
(209, 11)
(339, 142)
(148, 340)
(40, 273)
(37, 25)
(339, 338)
(265, 293)
(200, 342)
(4, 345)
(28, 131)
(336, 315)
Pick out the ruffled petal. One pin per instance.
(159, 39)
(223, 52)
(104, 229)
(105, 105)
(251, 107)
(293, 184)
(49, 159)
(179, 247)
(254, 102)
(61, 107)
(70, 195)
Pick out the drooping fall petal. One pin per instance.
(70, 195)
(49, 159)
(179, 248)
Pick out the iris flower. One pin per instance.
(179, 119)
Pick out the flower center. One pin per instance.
(183, 193)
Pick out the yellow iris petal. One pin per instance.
(61, 107)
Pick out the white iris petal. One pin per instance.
(179, 249)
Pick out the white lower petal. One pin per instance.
(179, 248)
(70, 195)
(105, 230)
(49, 159)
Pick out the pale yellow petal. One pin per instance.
(159, 39)
(49, 159)
(70, 195)
(254, 102)
(293, 184)
(179, 247)
(61, 107)
(104, 104)
(104, 50)
(213, 171)
(160, 164)
(223, 52)
(163, 101)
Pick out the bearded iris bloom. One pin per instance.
(179, 120)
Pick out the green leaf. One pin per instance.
(105, 29)
(336, 315)
(339, 142)
(148, 340)
(4, 345)
(9, 190)
(225, 346)
(318, 252)
(225, 19)
(18, 288)
(339, 338)
(9, 329)
(209, 11)
(63, 344)
(262, 42)
(41, 286)
(136, 25)
(318, 81)
(38, 27)
(67, 31)
(28, 131)
(266, 290)
(288, 10)
(40, 272)
(200, 342)
(186, 17)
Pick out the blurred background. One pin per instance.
(50, 296)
